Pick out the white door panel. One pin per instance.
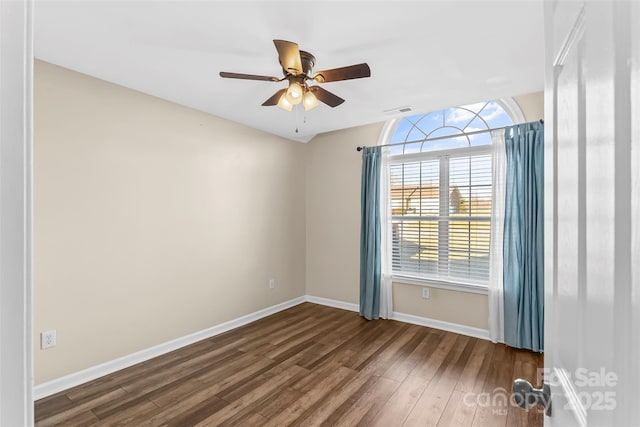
(592, 208)
(635, 201)
(565, 14)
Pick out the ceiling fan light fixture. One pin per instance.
(309, 101)
(297, 67)
(284, 103)
(294, 93)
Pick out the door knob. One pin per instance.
(526, 396)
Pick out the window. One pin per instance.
(441, 193)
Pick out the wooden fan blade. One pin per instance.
(274, 99)
(325, 96)
(289, 56)
(248, 77)
(357, 71)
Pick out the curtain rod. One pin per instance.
(436, 138)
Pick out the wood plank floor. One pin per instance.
(308, 366)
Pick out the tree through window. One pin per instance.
(441, 191)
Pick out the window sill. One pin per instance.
(461, 287)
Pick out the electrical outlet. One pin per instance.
(272, 283)
(47, 339)
(425, 293)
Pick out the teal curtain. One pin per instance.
(370, 234)
(524, 237)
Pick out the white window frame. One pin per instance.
(444, 180)
(515, 113)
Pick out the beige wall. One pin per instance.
(153, 221)
(333, 228)
(464, 308)
(532, 105)
(333, 212)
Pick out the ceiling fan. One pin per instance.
(297, 67)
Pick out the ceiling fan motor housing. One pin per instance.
(307, 61)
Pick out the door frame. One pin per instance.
(16, 208)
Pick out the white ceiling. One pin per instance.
(427, 55)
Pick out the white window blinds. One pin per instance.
(441, 215)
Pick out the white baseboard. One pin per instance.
(94, 372)
(333, 303)
(409, 318)
(442, 325)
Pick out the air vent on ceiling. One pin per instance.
(398, 110)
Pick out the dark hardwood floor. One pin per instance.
(306, 366)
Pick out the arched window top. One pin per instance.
(455, 127)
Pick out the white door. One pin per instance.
(592, 212)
